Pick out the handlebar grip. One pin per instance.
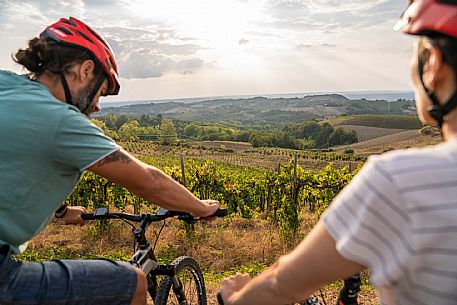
(88, 216)
(221, 213)
(220, 301)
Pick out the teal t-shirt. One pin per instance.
(45, 145)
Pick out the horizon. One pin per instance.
(369, 94)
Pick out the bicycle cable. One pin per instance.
(322, 297)
(158, 235)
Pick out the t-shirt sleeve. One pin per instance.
(79, 143)
(369, 224)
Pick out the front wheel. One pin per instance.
(188, 285)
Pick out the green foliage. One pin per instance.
(348, 150)
(168, 135)
(307, 135)
(109, 132)
(94, 191)
(56, 252)
(246, 191)
(215, 132)
(130, 131)
(253, 269)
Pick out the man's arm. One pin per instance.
(151, 184)
(293, 277)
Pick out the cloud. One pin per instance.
(103, 3)
(188, 66)
(142, 64)
(243, 41)
(328, 15)
(152, 53)
(316, 45)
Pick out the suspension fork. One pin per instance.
(178, 290)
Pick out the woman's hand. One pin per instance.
(231, 285)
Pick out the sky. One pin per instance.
(170, 49)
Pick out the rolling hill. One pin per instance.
(262, 110)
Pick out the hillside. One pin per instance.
(365, 133)
(262, 110)
(378, 121)
(400, 140)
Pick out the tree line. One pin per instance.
(307, 135)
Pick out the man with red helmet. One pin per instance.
(397, 216)
(47, 141)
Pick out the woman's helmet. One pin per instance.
(73, 32)
(429, 17)
(432, 18)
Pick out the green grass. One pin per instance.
(55, 252)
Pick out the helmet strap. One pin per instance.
(63, 79)
(66, 88)
(90, 98)
(437, 111)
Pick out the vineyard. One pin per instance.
(277, 195)
(271, 209)
(269, 158)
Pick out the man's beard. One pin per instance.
(82, 99)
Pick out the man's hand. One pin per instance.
(73, 216)
(231, 285)
(209, 208)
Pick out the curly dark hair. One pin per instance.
(43, 56)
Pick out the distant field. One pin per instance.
(387, 140)
(365, 133)
(379, 121)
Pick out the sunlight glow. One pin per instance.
(220, 26)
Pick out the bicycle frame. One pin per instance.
(144, 257)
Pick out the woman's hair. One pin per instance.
(447, 45)
(43, 56)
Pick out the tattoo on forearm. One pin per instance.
(114, 157)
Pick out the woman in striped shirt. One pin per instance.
(398, 216)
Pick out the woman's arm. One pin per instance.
(293, 277)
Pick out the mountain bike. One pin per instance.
(182, 280)
(348, 293)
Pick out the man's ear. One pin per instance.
(86, 70)
(433, 66)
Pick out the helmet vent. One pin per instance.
(66, 31)
(96, 35)
(84, 36)
(69, 22)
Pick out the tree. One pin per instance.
(110, 133)
(168, 133)
(192, 130)
(121, 120)
(110, 121)
(130, 131)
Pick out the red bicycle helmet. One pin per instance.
(431, 18)
(423, 17)
(74, 32)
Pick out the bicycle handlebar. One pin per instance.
(164, 214)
